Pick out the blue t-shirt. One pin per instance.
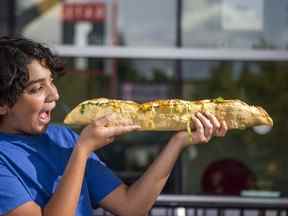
(31, 167)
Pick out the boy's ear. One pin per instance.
(3, 109)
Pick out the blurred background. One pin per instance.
(143, 50)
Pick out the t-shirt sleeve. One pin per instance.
(12, 192)
(69, 137)
(100, 179)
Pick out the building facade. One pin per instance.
(143, 50)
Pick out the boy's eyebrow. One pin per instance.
(31, 82)
(34, 81)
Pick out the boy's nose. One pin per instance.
(53, 94)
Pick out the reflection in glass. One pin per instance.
(124, 23)
(248, 24)
(259, 83)
(251, 24)
(147, 23)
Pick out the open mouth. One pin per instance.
(44, 116)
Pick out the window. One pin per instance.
(233, 49)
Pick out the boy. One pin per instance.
(50, 170)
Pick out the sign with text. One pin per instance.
(84, 12)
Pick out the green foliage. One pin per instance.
(127, 72)
(264, 84)
(222, 82)
(159, 75)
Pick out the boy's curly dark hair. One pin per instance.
(15, 54)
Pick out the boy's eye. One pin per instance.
(40, 87)
(35, 89)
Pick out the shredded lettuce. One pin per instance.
(218, 100)
(82, 109)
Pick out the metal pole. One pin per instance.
(114, 75)
(7, 17)
(178, 63)
(12, 17)
(177, 172)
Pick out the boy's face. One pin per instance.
(32, 111)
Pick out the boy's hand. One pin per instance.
(207, 126)
(97, 134)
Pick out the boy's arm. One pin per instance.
(138, 199)
(68, 191)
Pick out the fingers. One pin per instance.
(109, 140)
(111, 119)
(222, 130)
(107, 127)
(199, 129)
(213, 120)
(207, 125)
(119, 130)
(102, 121)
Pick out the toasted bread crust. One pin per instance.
(173, 114)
